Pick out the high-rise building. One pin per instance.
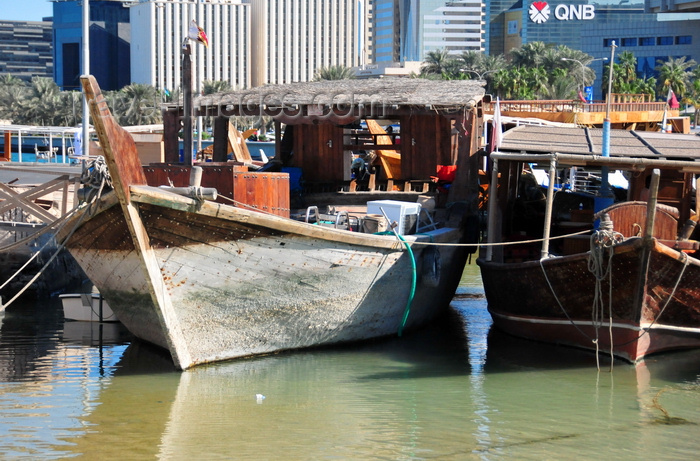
(651, 30)
(159, 29)
(405, 30)
(109, 43)
(292, 39)
(25, 49)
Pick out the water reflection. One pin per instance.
(456, 390)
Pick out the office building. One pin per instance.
(25, 49)
(109, 43)
(406, 30)
(594, 27)
(291, 40)
(159, 29)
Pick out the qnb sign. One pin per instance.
(540, 12)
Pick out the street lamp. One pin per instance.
(478, 74)
(583, 72)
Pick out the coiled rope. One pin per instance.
(602, 240)
(95, 178)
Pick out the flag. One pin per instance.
(582, 97)
(197, 34)
(496, 128)
(671, 99)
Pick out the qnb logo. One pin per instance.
(539, 12)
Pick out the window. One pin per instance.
(684, 40)
(607, 42)
(664, 41)
(646, 41)
(629, 42)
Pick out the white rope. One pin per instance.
(473, 245)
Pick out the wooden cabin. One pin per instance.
(320, 131)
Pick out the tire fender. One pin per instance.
(431, 267)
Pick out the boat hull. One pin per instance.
(233, 283)
(640, 311)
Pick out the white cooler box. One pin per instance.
(404, 213)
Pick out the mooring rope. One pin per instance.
(35, 236)
(602, 240)
(60, 247)
(431, 243)
(95, 176)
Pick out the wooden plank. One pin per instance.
(237, 145)
(122, 159)
(125, 170)
(390, 159)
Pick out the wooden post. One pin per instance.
(8, 148)
(187, 126)
(171, 130)
(220, 139)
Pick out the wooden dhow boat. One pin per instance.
(632, 285)
(210, 281)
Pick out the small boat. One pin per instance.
(210, 281)
(86, 307)
(624, 278)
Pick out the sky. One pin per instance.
(25, 10)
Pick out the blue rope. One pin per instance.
(414, 278)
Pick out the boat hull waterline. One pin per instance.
(545, 301)
(240, 283)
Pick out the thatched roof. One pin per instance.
(414, 93)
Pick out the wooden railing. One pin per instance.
(568, 105)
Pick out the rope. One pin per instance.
(24, 241)
(601, 240)
(473, 245)
(60, 247)
(96, 177)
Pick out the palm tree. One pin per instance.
(628, 66)
(334, 73)
(528, 55)
(436, 62)
(562, 86)
(218, 86)
(10, 80)
(692, 98)
(44, 105)
(674, 74)
(140, 105)
(12, 102)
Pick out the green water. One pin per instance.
(457, 390)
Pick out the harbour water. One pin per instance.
(456, 390)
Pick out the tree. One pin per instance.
(334, 73)
(674, 74)
(138, 104)
(528, 55)
(218, 86)
(628, 67)
(436, 62)
(43, 105)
